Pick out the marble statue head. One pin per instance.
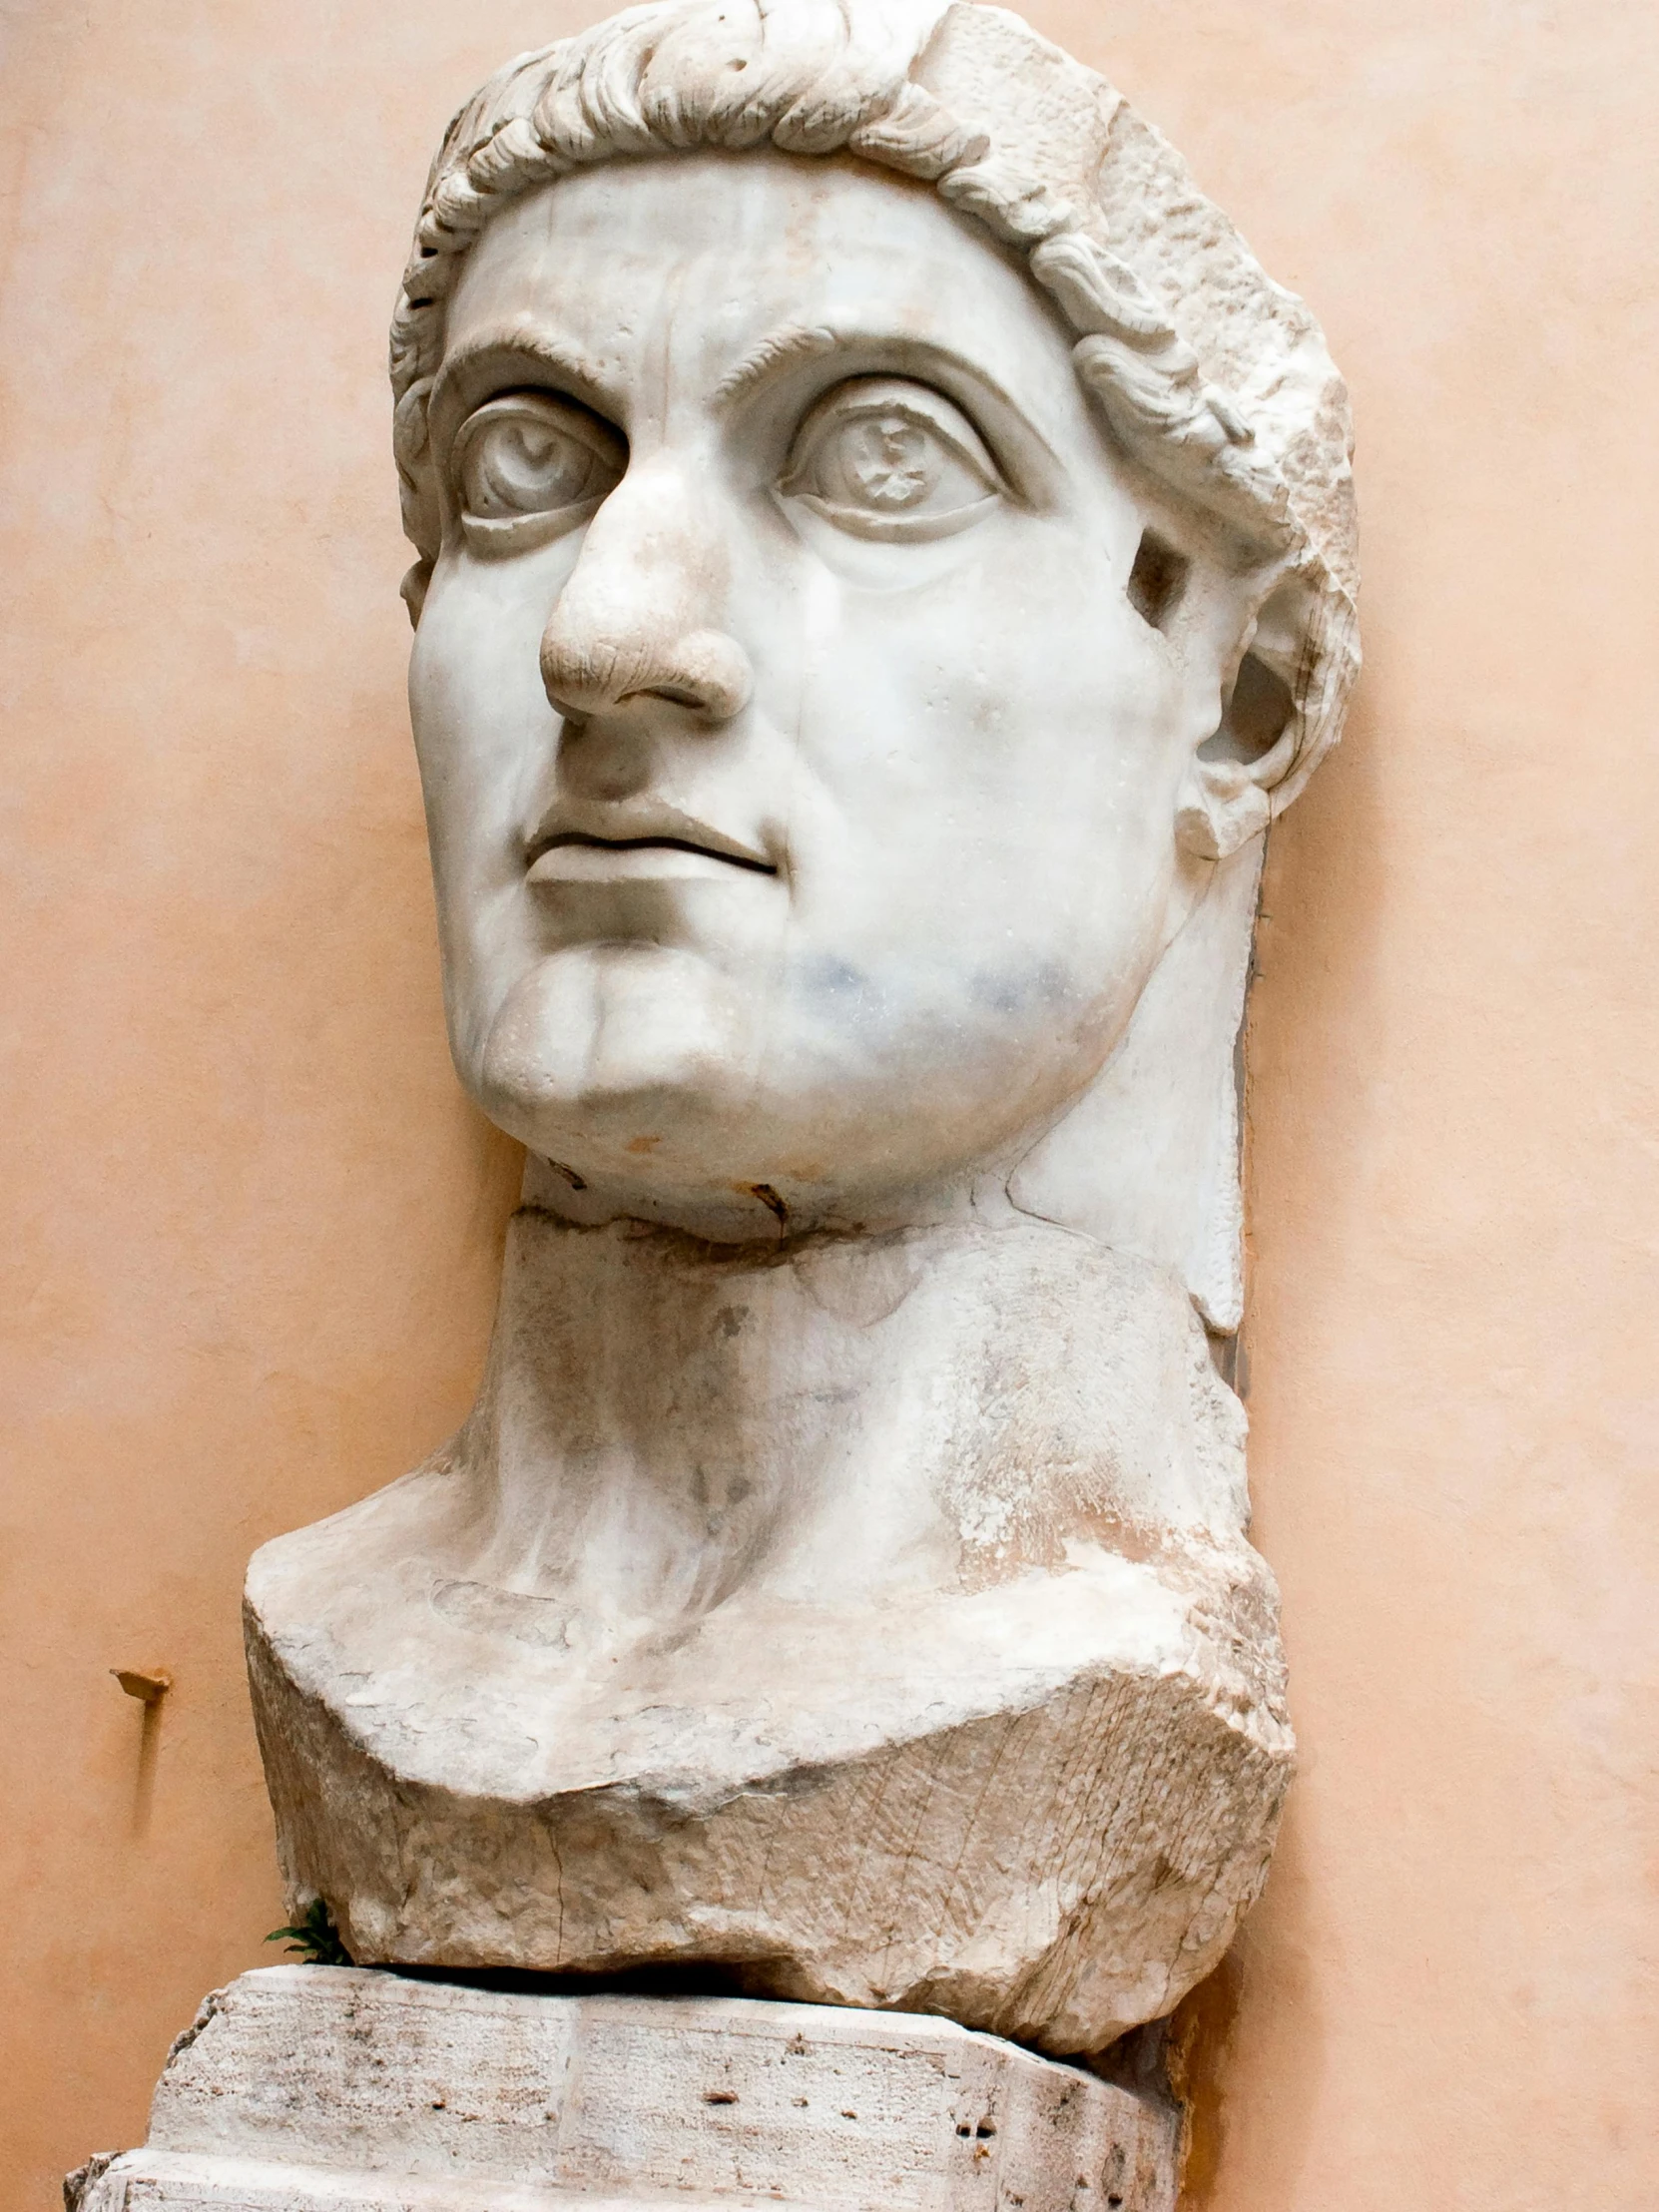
(885, 555)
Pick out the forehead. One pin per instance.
(685, 264)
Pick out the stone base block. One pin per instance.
(311, 2088)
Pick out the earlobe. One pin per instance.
(413, 590)
(1222, 806)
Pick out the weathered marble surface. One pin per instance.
(315, 2088)
(887, 554)
(970, 1700)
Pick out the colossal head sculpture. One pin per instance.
(886, 556)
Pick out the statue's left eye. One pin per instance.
(887, 458)
(529, 466)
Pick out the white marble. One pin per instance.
(317, 2089)
(886, 556)
(886, 1635)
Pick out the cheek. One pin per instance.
(1008, 741)
(484, 735)
(483, 727)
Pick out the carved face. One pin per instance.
(802, 770)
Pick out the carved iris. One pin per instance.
(530, 466)
(885, 457)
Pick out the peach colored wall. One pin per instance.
(251, 1228)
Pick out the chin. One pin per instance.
(659, 1086)
(612, 1044)
(636, 1079)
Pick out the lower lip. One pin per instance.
(635, 863)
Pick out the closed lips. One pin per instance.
(671, 845)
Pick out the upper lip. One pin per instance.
(624, 824)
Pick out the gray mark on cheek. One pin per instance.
(827, 978)
(1002, 993)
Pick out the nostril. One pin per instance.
(677, 694)
(701, 672)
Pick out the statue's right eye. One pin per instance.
(529, 466)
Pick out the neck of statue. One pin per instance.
(668, 1425)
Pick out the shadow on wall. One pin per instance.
(1215, 2034)
(149, 1688)
(1315, 977)
(1200, 2035)
(1315, 947)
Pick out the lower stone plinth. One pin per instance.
(307, 2089)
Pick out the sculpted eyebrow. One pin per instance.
(804, 341)
(797, 343)
(541, 357)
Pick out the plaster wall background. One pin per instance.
(252, 1228)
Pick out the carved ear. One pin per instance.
(1224, 799)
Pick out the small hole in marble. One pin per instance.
(1157, 580)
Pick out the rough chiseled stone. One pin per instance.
(1030, 1780)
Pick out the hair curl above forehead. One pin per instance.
(1016, 135)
